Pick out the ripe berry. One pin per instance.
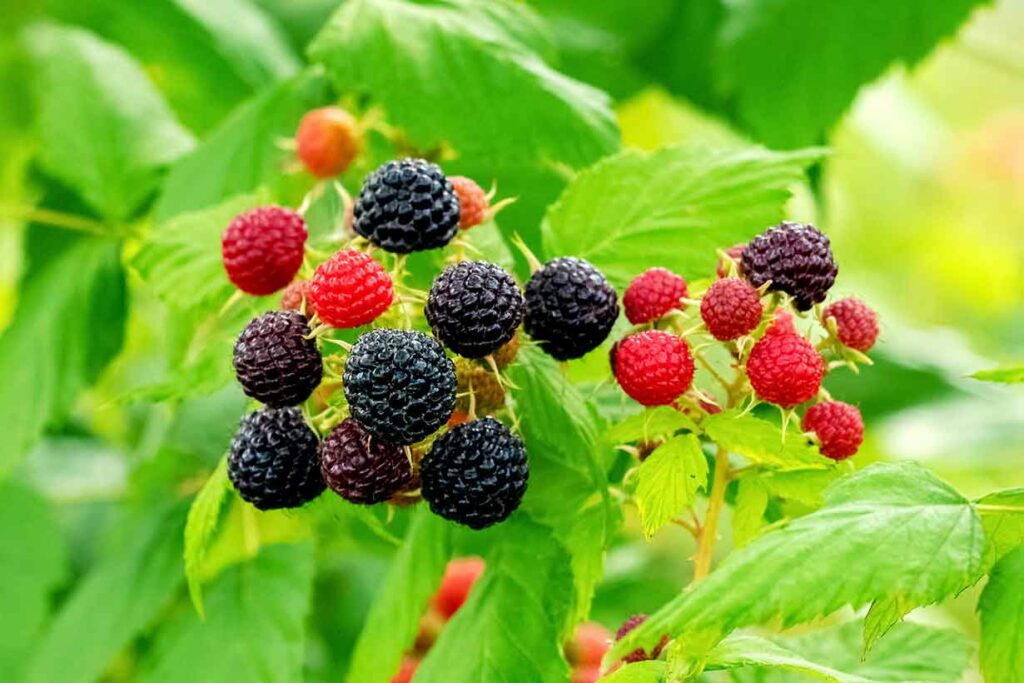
(570, 307)
(472, 201)
(474, 308)
(796, 258)
(586, 674)
(362, 469)
(838, 426)
(638, 655)
(459, 577)
(275, 361)
(783, 367)
(406, 671)
(350, 289)
(654, 368)
(731, 308)
(475, 474)
(273, 461)
(327, 141)
(399, 385)
(407, 205)
(588, 645)
(488, 393)
(856, 323)
(263, 248)
(735, 255)
(295, 295)
(652, 294)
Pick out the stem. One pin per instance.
(709, 532)
(54, 219)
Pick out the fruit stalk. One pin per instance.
(709, 532)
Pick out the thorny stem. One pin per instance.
(709, 531)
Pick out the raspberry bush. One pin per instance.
(374, 343)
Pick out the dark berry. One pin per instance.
(273, 461)
(474, 308)
(407, 205)
(475, 474)
(796, 258)
(360, 468)
(400, 385)
(275, 360)
(570, 307)
(638, 655)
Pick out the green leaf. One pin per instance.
(1012, 375)
(104, 130)
(748, 511)
(889, 530)
(651, 423)
(690, 201)
(1002, 620)
(511, 628)
(428, 65)
(762, 442)
(68, 325)
(242, 154)
(568, 488)
(1003, 519)
(33, 562)
(200, 528)
(882, 616)
(638, 672)
(751, 651)
(394, 618)
(803, 486)
(115, 601)
(255, 628)
(668, 480)
(789, 98)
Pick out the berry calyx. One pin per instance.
(327, 141)
(838, 426)
(361, 469)
(654, 368)
(856, 323)
(399, 384)
(407, 205)
(570, 307)
(275, 361)
(458, 580)
(474, 308)
(473, 201)
(475, 474)
(262, 249)
(796, 258)
(639, 655)
(350, 289)
(731, 308)
(652, 294)
(783, 367)
(273, 461)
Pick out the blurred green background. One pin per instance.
(922, 195)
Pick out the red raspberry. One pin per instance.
(263, 248)
(405, 673)
(350, 289)
(856, 323)
(327, 141)
(473, 202)
(459, 578)
(638, 655)
(731, 308)
(588, 645)
(652, 294)
(838, 427)
(587, 674)
(653, 367)
(293, 296)
(784, 368)
(735, 253)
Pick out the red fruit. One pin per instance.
(654, 368)
(856, 323)
(784, 368)
(327, 141)
(459, 578)
(293, 296)
(350, 289)
(586, 674)
(731, 308)
(263, 248)
(473, 203)
(638, 655)
(838, 426)
(458, 417)
(735, 253)
(588, 645)
(652, 294)
(405, 673)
